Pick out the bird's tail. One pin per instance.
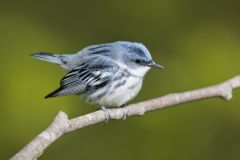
(50, 57)
(62, 60)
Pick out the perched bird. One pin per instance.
(109, 75)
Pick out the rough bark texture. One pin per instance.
(61, 124)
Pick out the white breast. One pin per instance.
(117, 97)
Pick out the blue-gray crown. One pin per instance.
(132, 53)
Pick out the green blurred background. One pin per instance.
(197, 42)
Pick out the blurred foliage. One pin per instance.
(197, 42)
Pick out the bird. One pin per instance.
(108, 75)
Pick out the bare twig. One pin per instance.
(62, 124)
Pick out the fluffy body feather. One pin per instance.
(107, 74)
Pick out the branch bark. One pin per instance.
(61, 124)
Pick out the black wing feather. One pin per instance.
(93, 73)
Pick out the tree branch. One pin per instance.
(61, 124)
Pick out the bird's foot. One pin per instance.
(106, 113)
(125, 113)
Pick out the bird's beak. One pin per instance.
(154, 65)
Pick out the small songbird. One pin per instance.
(109, 75)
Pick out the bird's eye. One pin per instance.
(138, 61)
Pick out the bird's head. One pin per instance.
(137, 57)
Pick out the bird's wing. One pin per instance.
(93, 73)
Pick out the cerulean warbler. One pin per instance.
(109, 75)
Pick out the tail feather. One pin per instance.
(61, 92)
(54, 93)
(50, 57)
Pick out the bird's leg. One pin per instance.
(106, 113)
(125, 112)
